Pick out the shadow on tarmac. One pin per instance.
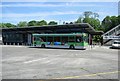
(57, 48)
(114, 48)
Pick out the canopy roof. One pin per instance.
(70, 34)
(65, 28)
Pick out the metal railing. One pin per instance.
(114, 31)
(111, 33)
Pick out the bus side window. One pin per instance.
(78, 39)
(34, 38)
(41, 40)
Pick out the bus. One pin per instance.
(71, 40)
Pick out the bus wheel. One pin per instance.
(43, 45)
(72, 47)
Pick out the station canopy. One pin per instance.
(65, 28)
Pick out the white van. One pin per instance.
(116, 44)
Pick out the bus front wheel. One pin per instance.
(72, 47)
(43, 45)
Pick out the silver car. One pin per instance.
(116, 44)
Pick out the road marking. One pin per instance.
(88, 75)
(33, 60)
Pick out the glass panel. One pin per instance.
(85, 38)
(57, 40)
(72, 39)
(43, 39)
(79, 39)
(50, 39)
(64, 40)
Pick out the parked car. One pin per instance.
(116, 44)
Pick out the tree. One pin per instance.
(79, 20)
(22, 24)
(93, 22)
(114, 21)
(110, 22)
(71, 23)
(118, 19)
(87, 14)
(89, 17)
(97, 38)
(52, 23)
(8, 25)
(95, 15)
(87, 20)
(32, 23)
(41, 23)
(92, 19)
(2, 25)
(106, 23)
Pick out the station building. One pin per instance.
(23, 36)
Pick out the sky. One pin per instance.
(14, 12)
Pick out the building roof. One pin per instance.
(65, 28)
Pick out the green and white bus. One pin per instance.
(72, 40)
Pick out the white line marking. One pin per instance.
(34, 60)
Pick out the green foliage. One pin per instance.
(52, 23)
(37, 23)
(7, 25)
(93, 22)
(118, 19)
(95, 15)
(2, 25)
(32, 23)
(91, 18)
(110, 22)
(22, 24)
(41, 23)
(114, 21)
(97, 38)
(87, 14)
(79, 20)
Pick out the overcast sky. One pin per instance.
(15, 12)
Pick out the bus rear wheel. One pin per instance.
(43, 45)
(72, 47)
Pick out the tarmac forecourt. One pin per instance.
(39, 63)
